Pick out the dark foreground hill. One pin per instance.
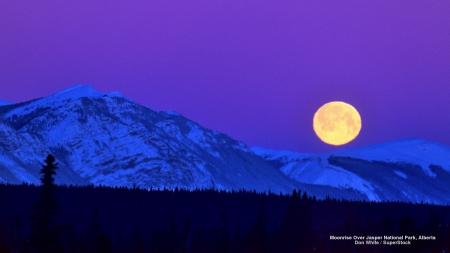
(104, 219)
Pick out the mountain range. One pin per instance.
(413, 170)
(108, 139)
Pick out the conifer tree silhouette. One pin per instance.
(3, 243)
(95, 238)
(45, 230)
(288, 238)
(259, 230)
(224, 234)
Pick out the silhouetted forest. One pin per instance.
(106, 219)
(54, 218)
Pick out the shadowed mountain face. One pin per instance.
(105, 138)
(409, 170)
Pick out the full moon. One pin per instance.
(337, 123)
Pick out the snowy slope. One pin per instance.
(412, 151)
(408, 170)
(4, 102)
(105, 138)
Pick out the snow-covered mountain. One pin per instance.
(105, 138)
(408, 170)
(108, 139)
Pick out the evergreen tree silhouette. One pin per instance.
(237, 239)
(68, 238)
(45, 230)
(224, 234)
(258, 236)
(306, 234)
(136, 241)
(16, 238)
(95, 240)
(166, 240)
(199, 240)
(287, 237)
(185, 235)
(3, 244)
(436, 227)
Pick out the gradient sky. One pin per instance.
(254, 70)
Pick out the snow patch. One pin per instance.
(174, 113)
(114, 94)
(241, 146)
(319, 172)
(282, 155)
(5, 102)
(76, 92)
(400, 174)
(197, 136)
(170, 128)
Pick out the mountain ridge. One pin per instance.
(379, 171)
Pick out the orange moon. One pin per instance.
(337, 123)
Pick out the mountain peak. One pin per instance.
(79, 91)
(72, 93)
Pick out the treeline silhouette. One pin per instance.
(120, 219)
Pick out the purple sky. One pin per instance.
(255, 70)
